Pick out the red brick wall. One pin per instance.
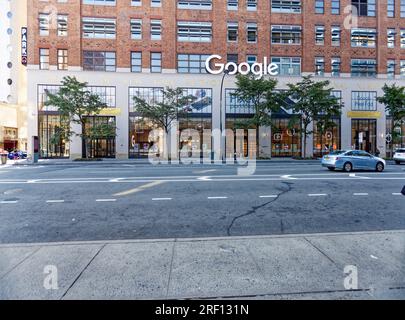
(169, 14)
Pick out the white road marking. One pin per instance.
(106, 200)
(373, 257)
(270, 196)
(288, 177)
(397, 194)
(162, 199)
(138, 189)
(204, 179)
(55, 201)
(217, 198)
(8, 202)
(205, 171)
(317, 194)
(360, 194)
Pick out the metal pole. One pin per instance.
(220, 112)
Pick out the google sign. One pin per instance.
(244, 68)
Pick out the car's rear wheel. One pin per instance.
(331, 169)
(348, 167)
(379, 167)
(397, 162)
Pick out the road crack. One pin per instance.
(256, 208)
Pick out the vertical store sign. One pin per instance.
(24, 42)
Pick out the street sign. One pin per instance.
(24, 42)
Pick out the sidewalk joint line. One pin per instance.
(21, 262)
(171, 268)
(84, 269)
(320, 251)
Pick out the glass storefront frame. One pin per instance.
(102, 147)
(285, 142)
(364, 135)
(397, 141)
(328, 141)
(48, 123)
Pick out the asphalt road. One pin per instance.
(54, 203)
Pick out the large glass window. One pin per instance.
(363, 67)
(364, 100)
(49, 125)
(285, 34)
(365, 7)
(364, 135)
(326, 138)
(191, 31)
(191, 63)
(99, 28)
(286, 6)
(285, 139)
(99, 61)
(288, 65)
(364, 38)
(103, 147)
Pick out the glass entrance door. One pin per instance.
(364, 135)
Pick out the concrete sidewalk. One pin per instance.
(262, 267)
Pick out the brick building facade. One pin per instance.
(123, 48)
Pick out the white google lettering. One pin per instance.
(244, 68)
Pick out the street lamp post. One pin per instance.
(226, 72)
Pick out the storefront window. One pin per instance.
(285, 139)
(103, 147)
(326, 139)
(49, 126)
(364, 135)
(394, 139)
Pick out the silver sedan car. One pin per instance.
(399, 156)
(353, 160)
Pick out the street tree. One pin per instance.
(173, 105)
(394, 101)
(313, 100)
(78, 105)
(261, 95)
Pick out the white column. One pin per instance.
(76, 141)
(122, 123)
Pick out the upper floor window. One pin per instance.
(44, 20)
(44, 59)
(320, 6)
(191, 63)
(364, 67)
(286, 34)
(319, 66)
(364, 100)
(335, 6)
(156, 29)
(335, 66)
(136, 29)
(232, 31)
(251, 32)
(100, 2)
(402, 38)
(391, 8)
(391, 33)
(402, 8)
(155, 3)
(335, 34)
(99, 28)
(232, 4)
(365, 7)
(194, 31)
(195, 4)
(286, 6)
(62, 59)
(320, 35)
(155, 62)
(99, 61)
(364, 38)
(288, 65)
(390, 69)
(62, 25)
(251, 5)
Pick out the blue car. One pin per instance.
(17, 154)
(353, 160)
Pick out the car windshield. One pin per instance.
(400, 150)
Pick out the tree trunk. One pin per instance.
(305, 144)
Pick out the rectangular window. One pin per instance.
(335, 34)
(44, 59)
(99, 28)
(98, 2)
(156, 29)
(320, 66)
(391, 69)
(390, 8)
(288, 65)
(319, 35)
(62, 25)
(364, 100)
(106, 94)
(286, 34)
(136, 61)
(136, 29)
(402, 69)
(194, 31)
(365, 8)
(99, 61)
(391, 33)
(366, 38)
(152, 96)
(232, 31)
(363, 68)
(156, 62)
(62, 59)
(191, 63)
(202, 102)
(251, 5)
(195, 4)
(156, 3)
(232, 4)
(320, 6)
(44, 21)
(335, 67)
(286, 6)
(402, 8)
(335, 6)
(251, 32)
(251, 59)
(402, 38)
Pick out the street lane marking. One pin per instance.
(204, 179)
(55, 201)
(138, 189)
(217, 198)
(360, 194)
(8, 202)
(106, 200)
(162, 199)
(270, 196)
(317, 195)
(205, 171)
(397, 194)
(288, 177)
